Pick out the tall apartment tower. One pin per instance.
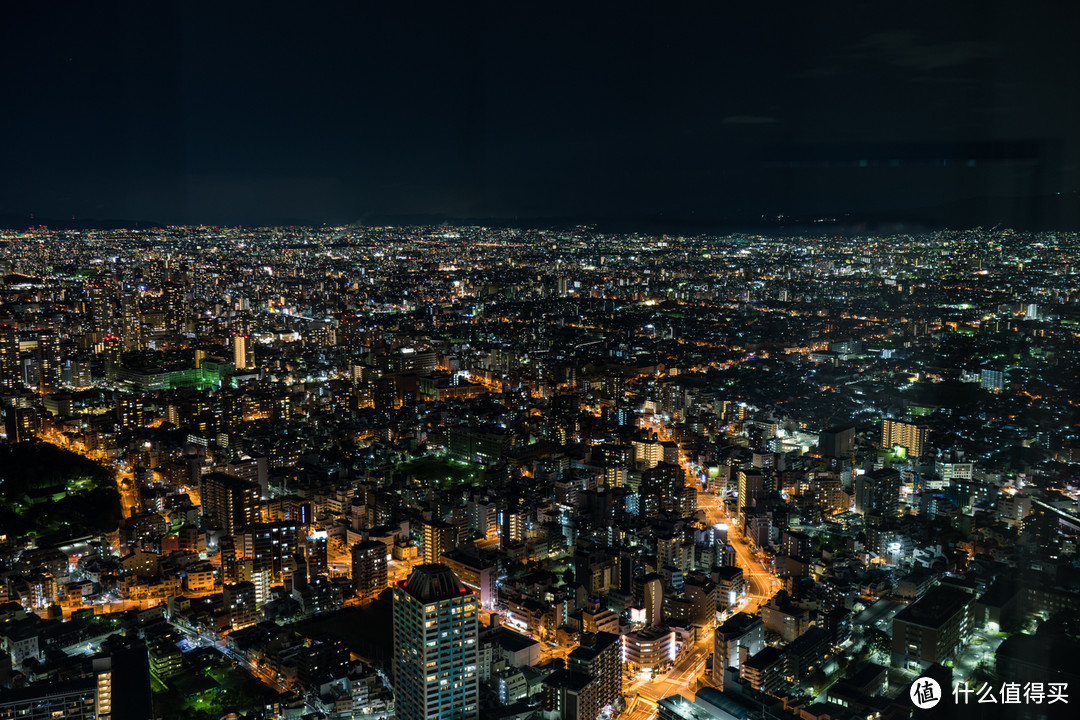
(10, 370)
(878, 493)
(907, 435)
(369, 569)
(243, 353)
(131, 320)
(233, 502)
(175, 308)
(111, 347)
(49, 362)
(435, 646)
(660, 489)
(439, 537)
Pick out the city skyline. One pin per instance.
(489, 361)
(682, 477)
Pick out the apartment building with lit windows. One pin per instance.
(435, 646)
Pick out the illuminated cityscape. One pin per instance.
(510, 361)
(796, 471)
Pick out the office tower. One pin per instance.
(231, 502)
(740, 637)
(243, 352)
(10, 368)
(438, 537)
(563, 285)
(878, 493)
(435, 647)
(660, 489)
(49, 362)
(907, 435)
(369, 569)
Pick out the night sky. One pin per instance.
(687, 114)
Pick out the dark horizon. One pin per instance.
(699, 116)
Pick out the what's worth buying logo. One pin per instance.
(925, 693)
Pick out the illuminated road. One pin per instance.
(643, 694)
(677, 681)
(763, 584)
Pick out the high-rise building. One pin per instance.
(106, 687)
(232, 502)
(131, 321)
(907, 435)
(660, 489)
(274, 546)
(653, 591)
(435, 646)
(49, 362)
(512, 526)
(258, 577)
(439, 536)
(751, 487)
(317, 552)
(878, 493)
(10, 369)
(369, 569)
(243, 353)
(175, 306)
(483, 516)
(599, 657)
(111, 348)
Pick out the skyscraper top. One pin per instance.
(432, 582)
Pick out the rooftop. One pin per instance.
(936, 607)
(433, 582)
